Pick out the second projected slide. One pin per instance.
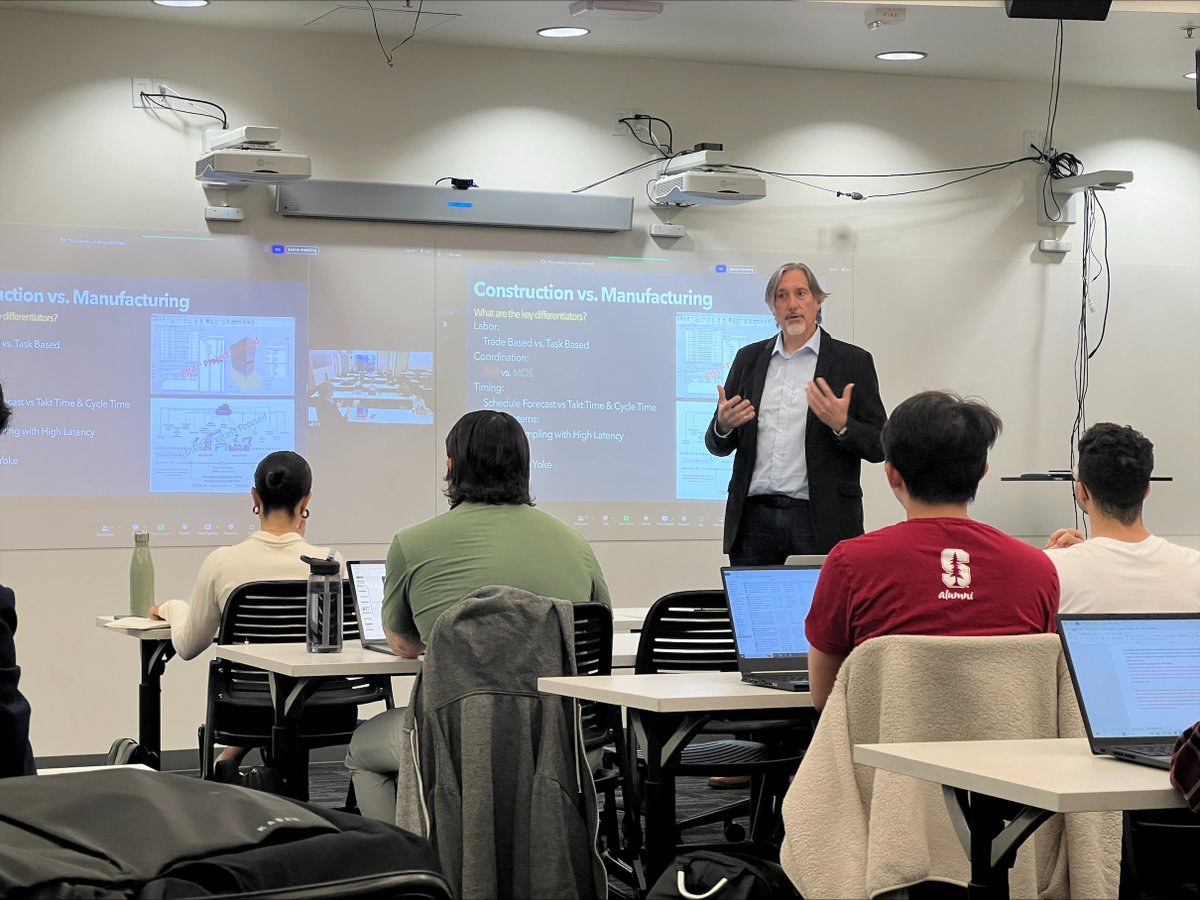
(613, 368)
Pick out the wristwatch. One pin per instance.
(841, 434)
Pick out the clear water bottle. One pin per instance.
(141, 576)
(324, 605)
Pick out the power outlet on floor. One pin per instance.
(143, 84)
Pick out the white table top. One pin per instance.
(625, 650)
(69, 770)
(1060, 775)
(627, 618)
(142, 634)
(295, 661)
(691, 692)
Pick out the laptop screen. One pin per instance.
(768, 605)
(1135, 676)
(366, 580)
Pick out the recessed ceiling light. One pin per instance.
(562, 32)
(1191, 75)
(901, 55)
(181, 4)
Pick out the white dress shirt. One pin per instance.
(781, 465)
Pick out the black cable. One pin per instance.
(935, 187)
(649, 162)
(886, 174)
(377, 36)
(223, 118)
(1107, 274)
(417, 19)
(1055, 88)
(1058, 165)
(653, 143)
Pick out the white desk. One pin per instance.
(629, 618)
(294, 674)
(624, 653)
(155, 651)
(665, 713)
(1042, 776)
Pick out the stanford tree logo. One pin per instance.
(956, 569)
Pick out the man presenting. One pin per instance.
(800, 411)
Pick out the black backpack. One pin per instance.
(722, 876)
(131, 833)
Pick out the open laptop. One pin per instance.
(767, 606)
(366, 584)
(1137, 677)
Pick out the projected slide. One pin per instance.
(612, 365)
(135, 371)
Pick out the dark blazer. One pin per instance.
(16, 756)
(834, 464)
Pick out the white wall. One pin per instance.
(955, 269)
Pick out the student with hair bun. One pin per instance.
(281, 492)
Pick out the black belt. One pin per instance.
(777, 501)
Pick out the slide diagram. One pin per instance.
(227, 355)
(705, 345)
(214, 445)
(698, 474)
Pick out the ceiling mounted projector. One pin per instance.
(705, 178)
(248, 155)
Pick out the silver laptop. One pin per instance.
(366, 584)
(767, 607)
(1137, 677)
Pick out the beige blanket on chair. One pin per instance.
(856, 831)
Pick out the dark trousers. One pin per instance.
(772, 529)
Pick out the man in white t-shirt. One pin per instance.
(1122, 567)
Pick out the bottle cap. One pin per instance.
(322, 566)
(141, 537)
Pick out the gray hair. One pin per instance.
(813, 285)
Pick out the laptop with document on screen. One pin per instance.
(1137, 679)
(767, 608)
(366, 584)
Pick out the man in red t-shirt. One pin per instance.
(939, 572)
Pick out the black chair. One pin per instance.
(603, 731)
(240, 711)
(401, 885)
(690, 631)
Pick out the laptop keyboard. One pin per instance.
(1162, 751)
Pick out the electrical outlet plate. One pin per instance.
(625, 112)
(143, 84)
(1031, 140)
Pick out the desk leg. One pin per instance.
(993, 845)
(288, 696)
(154, 658)
(652, 731)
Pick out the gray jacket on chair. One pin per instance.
(496, 774)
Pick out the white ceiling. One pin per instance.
(1141, 45)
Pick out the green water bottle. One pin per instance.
(141, 576)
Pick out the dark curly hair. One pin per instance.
(1115, 463)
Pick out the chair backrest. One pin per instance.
(275, 612)
(895, 829)
(687, 631)
(593, 656)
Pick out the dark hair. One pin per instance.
(939, 443)
(489, 460)
(5, 411)
(282, 480)
(1115, 463)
